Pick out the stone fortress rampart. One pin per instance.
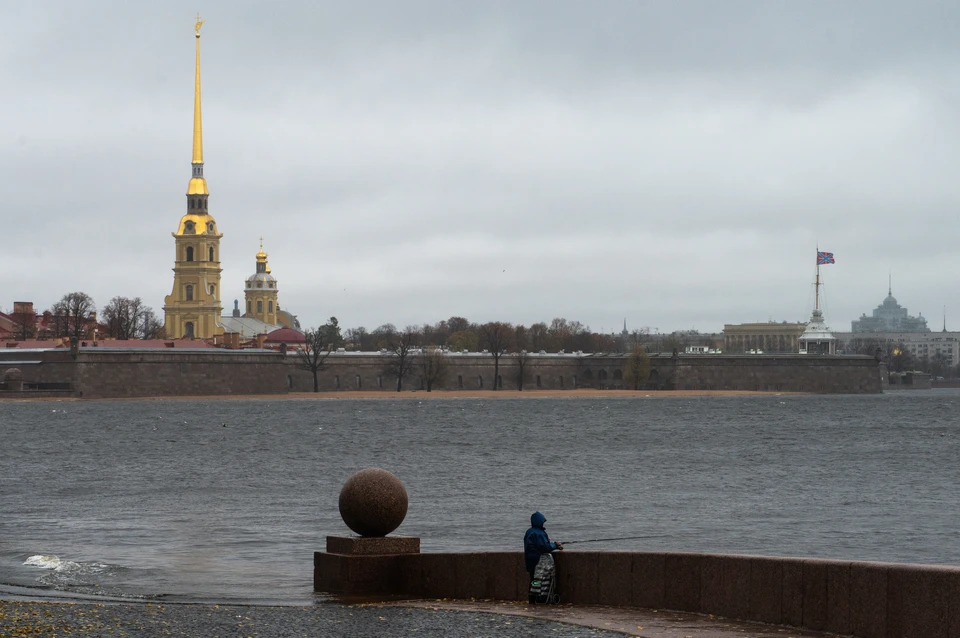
(180, 371)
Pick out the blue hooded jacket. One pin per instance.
(536, 542)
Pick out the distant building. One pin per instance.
(889, 316)
(769, 337)
(921, 345)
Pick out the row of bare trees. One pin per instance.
(457, 333)
(409, 354)
(75, 315)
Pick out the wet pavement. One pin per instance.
(649, 623)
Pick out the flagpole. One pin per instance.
(816, 286)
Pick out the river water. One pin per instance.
(226, 500)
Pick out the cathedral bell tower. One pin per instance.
(192, 309)
(260, 291)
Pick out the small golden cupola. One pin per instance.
(193, 308)
(261, 291)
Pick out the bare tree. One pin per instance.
(432, 363)
(496, 337)
(638, 367)
(150, 325)
(312, 355)
(70, 315)
(357, 337)
(539, 336)
(400, 348)
(24, 322)
(121, 317)
(523, 364)
(126, 318)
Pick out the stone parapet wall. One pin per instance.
(863, 599)
(774, 373)
(781, 373)
(151, 372)
(111, 373)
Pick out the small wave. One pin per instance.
(56, 564)
(44, 562)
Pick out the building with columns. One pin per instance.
(769, 336)
(193, 309)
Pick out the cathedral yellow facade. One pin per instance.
(193, 308)
(260, 292)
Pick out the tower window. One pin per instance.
(209, 227)
(259, 284)
(189, 253)
(213, 290)
(259, 307)
(211, 253)
(189, 293)
(188, 228)
(270, 306)
(249, 306)
(191, 203)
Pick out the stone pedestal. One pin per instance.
(371, 566)
(357, 545)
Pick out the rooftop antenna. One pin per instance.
(890, 283)
(944, 318)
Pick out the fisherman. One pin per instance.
(536, 542)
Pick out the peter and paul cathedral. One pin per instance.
(193, 309)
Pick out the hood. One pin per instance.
(537, 519)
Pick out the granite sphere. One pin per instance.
(373, 502)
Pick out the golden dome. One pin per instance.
(194, 224)
(262, 256)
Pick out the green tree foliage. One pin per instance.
(464, 340)
(333, 337)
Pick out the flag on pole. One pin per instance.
(825, 258)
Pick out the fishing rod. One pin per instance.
(603, 540)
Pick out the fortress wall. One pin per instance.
(863, 599)
(466, 372)
(106, 372)
(41, 366)
(151, 373)
(780, 373)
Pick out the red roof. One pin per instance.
(286, 335)
(113, 343)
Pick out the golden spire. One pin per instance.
(197, 125)
(198, 185)
(261, 256)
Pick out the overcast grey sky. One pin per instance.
(672, 163)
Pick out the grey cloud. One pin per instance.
(674, 163)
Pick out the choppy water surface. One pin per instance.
(227, 500)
